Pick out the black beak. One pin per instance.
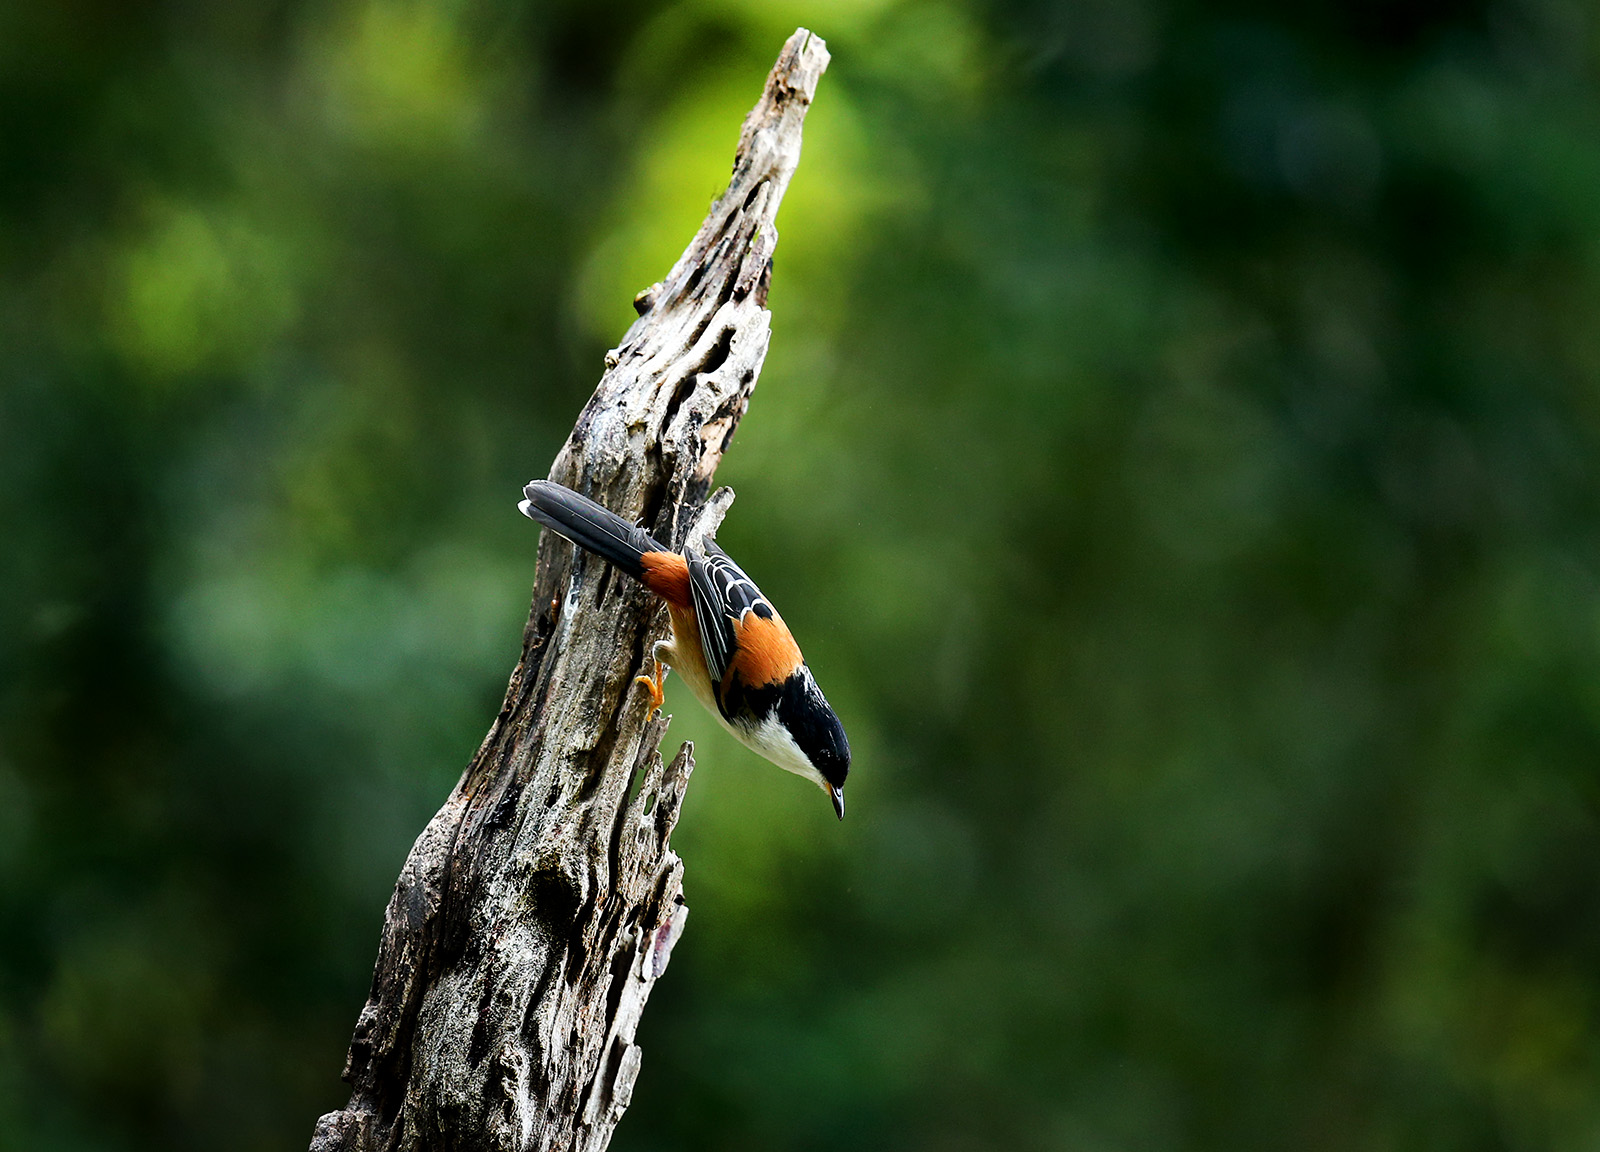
(836, 794)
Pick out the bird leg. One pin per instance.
(655, 685)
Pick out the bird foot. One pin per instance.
(655, 685)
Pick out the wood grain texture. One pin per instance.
(542, 902)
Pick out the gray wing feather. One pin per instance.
(722, 594)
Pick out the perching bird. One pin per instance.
(728, 642)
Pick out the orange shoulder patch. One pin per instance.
(766, 653)
(667, 575)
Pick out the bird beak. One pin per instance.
(836, 794)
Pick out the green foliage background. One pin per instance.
(1178, 453)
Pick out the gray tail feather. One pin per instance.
(588, 525)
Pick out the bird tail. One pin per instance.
(588, 525)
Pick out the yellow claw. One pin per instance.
(655, 685)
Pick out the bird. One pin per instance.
(728, 642)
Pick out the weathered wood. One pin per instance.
(542, 902)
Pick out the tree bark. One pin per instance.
(541, 903)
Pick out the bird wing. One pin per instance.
(722, 594)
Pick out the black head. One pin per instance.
(805, 713)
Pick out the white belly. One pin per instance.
(681, 652)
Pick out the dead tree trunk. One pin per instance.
(540, 904)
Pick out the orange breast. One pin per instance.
(767, 653)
